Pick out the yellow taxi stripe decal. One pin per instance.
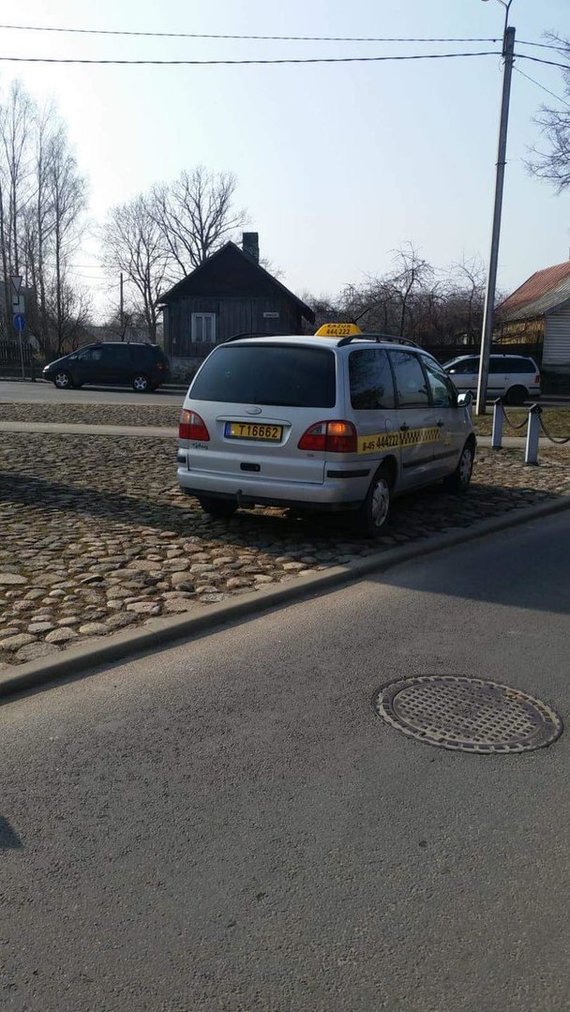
(393, 440)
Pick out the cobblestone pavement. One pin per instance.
(97, 537)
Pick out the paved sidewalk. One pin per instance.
(66, 428)
(167, 432)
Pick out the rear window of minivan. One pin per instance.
(277, 375)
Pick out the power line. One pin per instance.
(544, 45)
(547, 63)
(230, 63)
(539, 85)
(247, 38)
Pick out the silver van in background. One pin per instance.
(514, 377)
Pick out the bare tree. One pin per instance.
(15, 119)
(67, 194)
(465, 295)
(552, 162)
(39, 220)
(372, 305)
(412, 273)
(42, 198)
(326, 310)
(133, 243)
(390, 303)
(433, 307)
(15, 114)
(195, 215)
(68, 311)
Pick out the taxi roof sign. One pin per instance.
(338, 330)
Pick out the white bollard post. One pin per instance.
(498, 418)
(532, 434)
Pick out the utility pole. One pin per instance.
(121, 306)
(487, 332)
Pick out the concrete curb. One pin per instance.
(165, 631)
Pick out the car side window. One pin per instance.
(410, 380)
(498, 365)
(523, 365)
(442, 391)
(90, 355)
(371, 381)
(464, 368)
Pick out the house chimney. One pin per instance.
(250, 245)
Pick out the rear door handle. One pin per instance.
(404, 427)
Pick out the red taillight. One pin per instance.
(191, 426)
(314, 438)
(537, 379)
(330, 437)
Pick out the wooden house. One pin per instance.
(230, 293)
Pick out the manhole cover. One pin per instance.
(468, 714)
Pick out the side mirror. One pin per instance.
(464, 400)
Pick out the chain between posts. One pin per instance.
(533, 421)
(560, 441)
(510, 423)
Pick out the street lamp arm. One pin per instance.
(507, 5)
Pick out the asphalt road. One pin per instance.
(226, 825)
(47, 393)
(42, 391)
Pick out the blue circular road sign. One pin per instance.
(19, 322)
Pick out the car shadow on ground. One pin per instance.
(416, 516)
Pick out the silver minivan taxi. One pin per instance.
(336, 421)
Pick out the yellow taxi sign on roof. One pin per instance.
(338, 330)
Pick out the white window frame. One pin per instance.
(200, 317)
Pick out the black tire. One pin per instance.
(141, 384)
(516, 395)
(217, 507)
(371, 518)
(459, 481)
(62, 380)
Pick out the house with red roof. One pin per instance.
(539, 311)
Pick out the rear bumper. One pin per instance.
(334, 494)
(300, 504)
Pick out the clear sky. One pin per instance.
(337, 164)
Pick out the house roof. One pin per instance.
(543, 292)
(216, 271)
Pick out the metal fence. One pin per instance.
(16, 360)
